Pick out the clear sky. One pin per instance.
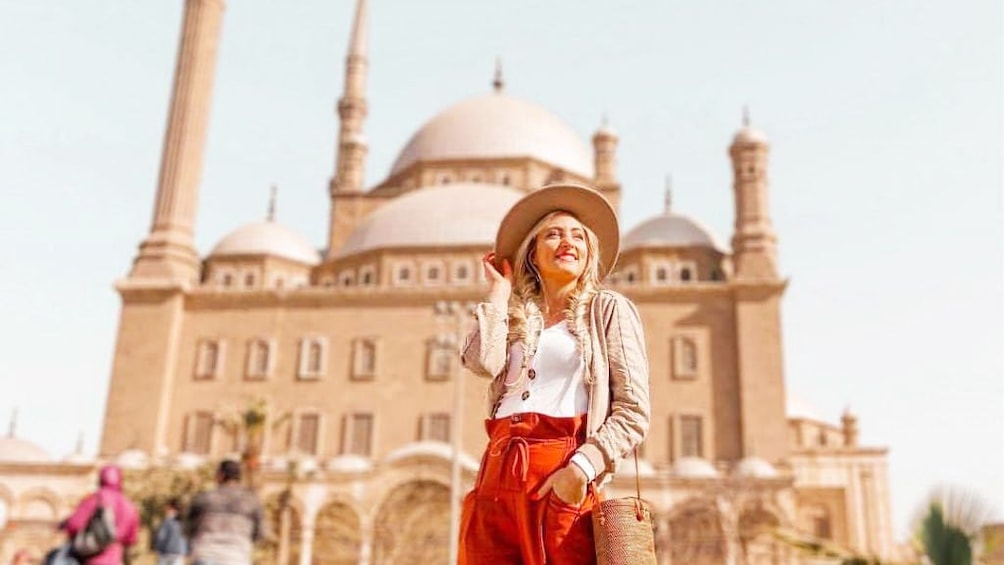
(885, 120)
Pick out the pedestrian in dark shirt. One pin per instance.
(169, 542)
(225, 522)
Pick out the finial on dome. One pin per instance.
(13, 423)
(746, 115)
(668, 203)
(498, 83)
(273, 192)
(80, 444)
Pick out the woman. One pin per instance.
(569, 390)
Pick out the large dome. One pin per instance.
(453, 214)
(671, 230)
(14, 450)
(267, 238)
(497, 125)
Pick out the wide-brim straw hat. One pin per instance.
(586, 204)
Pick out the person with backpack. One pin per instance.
(104, 524)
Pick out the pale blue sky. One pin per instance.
(885, 119)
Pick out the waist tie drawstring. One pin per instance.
(521, 460)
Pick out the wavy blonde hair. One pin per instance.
(527, 293)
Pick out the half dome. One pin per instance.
(672, 230)
(755, 468)
(497, 125)
(15, 450)
(453, 214)
(267, 238)
(694, 468)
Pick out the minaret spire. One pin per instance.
(168, 252)
(746, 115)
(273, 193)
(498, 83)
(13, 423)
(754, 242)
(668, 202)
(352, 108)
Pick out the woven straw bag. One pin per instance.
(624, 530)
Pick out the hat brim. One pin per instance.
(586, 204)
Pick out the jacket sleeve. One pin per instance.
(484, 352)
(628, 419)
(80, 516)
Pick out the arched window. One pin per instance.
(685, 274)
(259, 359)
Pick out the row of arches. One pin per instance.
(412, 527)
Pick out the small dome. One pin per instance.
(187, 460)
(672, 230)
(749, 134)
(437, 449)
(132, 459)
(15, 450)
(349, 464)
(799, 408)
(453, 214)
(494, 126)
(645, 469)
(755, 468)
(267, 238)
(694, 468)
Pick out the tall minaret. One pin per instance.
(352, 109)
(605, 154)
(352, 149)
(754, 243)
(168, 252)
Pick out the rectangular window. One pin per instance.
(364, 358)
(259, 360)
(208, 359)
(313, 357)
(691, 436)
(436, 427)
(821, 527)
(440, 359)
(308, 429)
(685, 357)
(358, 437)
(199, 433)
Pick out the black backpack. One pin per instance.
(97, 534)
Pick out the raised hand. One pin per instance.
(500, 283)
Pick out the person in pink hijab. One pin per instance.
(126, 517)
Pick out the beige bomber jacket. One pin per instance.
(617, 383)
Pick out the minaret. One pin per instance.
(754, 243)
(605, 155)
(352, 109)
(667, 203)
(352, 148)
(168, 252)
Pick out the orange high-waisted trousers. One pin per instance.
(503, 521)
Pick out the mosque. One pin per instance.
(348, 346)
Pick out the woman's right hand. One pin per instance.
(500, 283)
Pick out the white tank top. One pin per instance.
(554, 385)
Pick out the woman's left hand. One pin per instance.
(569, 484)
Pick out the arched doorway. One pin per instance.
(413, 525)
(760, 545)
(696, 537)
(337, 535)
(285, 529)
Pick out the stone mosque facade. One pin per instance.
(351, 353)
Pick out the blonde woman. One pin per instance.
(569, 381)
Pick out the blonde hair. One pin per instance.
(527, 292)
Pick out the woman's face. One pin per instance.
(561, 251)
